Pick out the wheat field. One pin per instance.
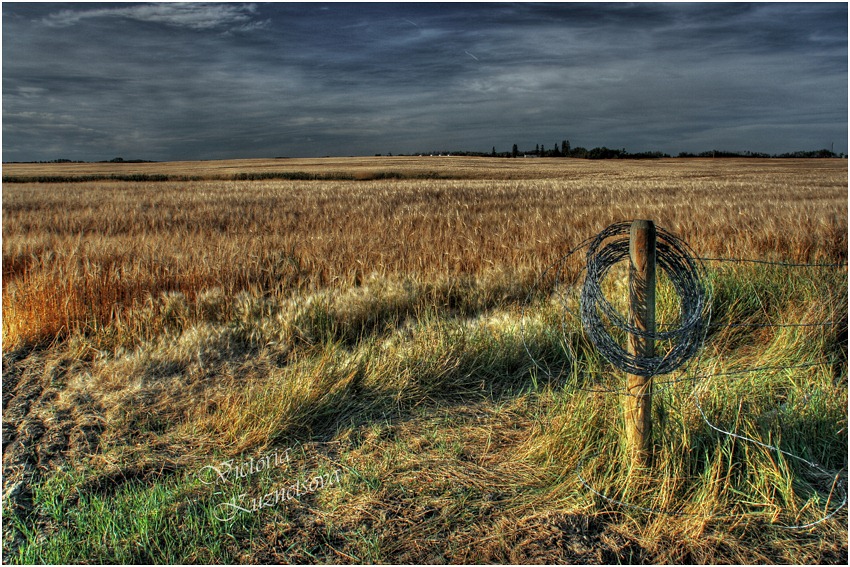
(84, 254)
(380, 316)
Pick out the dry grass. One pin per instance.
(152, 328)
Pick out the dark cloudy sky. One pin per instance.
(208, 81)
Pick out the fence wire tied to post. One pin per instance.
(604, 251)
(687, 275)
(686, 272)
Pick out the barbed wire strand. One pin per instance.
(661, 385)
(771, 263)
(833, 477)
(787, 454)
(621, 503)
(556, 265)
(774, 325)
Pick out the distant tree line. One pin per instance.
(113, 160)
(565, 149)
(60, 160)
(122, 160)
(824, 153)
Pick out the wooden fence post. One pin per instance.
(638, 404)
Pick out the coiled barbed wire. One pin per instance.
(686, 274)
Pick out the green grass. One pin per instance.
(452, 442)
(139, 522)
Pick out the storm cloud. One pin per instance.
(209, 81)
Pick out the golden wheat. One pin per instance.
(82, 256)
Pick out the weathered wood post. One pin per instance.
(638, 402)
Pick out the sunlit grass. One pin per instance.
(396, 331)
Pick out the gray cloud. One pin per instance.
(198, 16)
(183, 81)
